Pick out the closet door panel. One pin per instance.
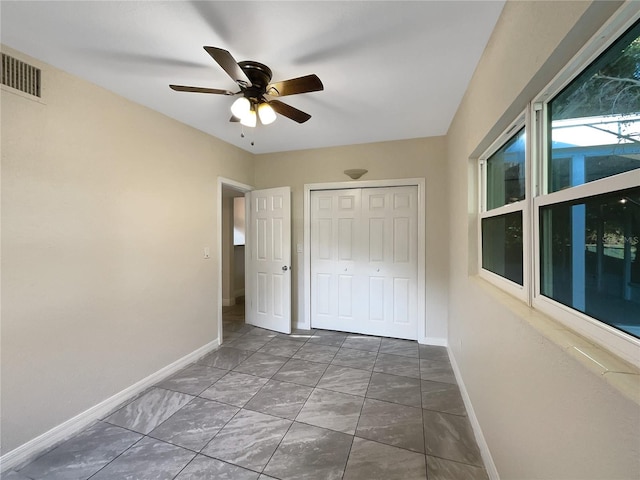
(345, 296)
(376, 301)
(334, 226)
(401, 300)
(391, 217)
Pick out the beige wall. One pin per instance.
(228, 254)
(106, 209)
(238, 258)
(238, 274)
(543, 414)
(424, 158)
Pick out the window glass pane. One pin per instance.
(594, 123)
(502, 245)
(589, 257)
(505, 173)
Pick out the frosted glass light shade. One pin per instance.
(241, 107)
(266, 113)
(249, 119)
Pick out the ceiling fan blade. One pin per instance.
(234, 119)
(289, 111)
(308, 83)
(229, 65)
(184, 88)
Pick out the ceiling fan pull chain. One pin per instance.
(242, 135)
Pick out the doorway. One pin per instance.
(267, 256)
(231, 281)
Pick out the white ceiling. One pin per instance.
(391, 70)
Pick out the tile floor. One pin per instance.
(313, 405)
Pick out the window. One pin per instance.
(577, 193)
(505, 173)
(589, 205)
(503, 200)
(594, 122)
(589, 257)
(502, 246)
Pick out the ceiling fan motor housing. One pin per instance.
(259, 75)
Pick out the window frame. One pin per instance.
(534, 121)
(515, 289)
(620, 343)
(616, 341)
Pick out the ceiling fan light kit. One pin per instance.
(241, 107)
(249, 119)
(266, 113)
(253, 79)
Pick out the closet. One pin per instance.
(364, 260)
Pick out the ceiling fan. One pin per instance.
(253, 79)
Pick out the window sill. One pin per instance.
(618, 373)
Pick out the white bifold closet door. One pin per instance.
(364, 261)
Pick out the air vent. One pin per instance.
(20, 75)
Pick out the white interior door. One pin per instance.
(364, 261)
(268, 257)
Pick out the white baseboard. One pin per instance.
(72, 426)
(437, 341)
(228, 302)
(489, 465)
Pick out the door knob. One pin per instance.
(285, 268)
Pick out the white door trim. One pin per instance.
(420, 183)
(240, 187)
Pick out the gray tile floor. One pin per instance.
(312, 405)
